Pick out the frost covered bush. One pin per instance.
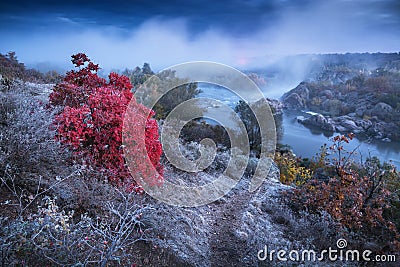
(52, 236)
(26, 142)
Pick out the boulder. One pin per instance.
(297, 98)
(300, 118)
(340, 128)
(319, 121)
(350, 126)
(365, 124)
(381, 110)
(352, 114)
(382, 130)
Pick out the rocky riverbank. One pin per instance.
(345, 124)
(338, 109)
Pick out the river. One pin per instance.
(307, 142)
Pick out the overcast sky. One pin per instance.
(241, 33)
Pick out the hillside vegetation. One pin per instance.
(352, 93)
(67, 198)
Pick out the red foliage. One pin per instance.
(141, 153)
(92, 119)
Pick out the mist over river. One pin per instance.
(307, 142)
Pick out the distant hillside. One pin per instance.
(11, 69)
(360, 92)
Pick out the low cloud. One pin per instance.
(327, 27)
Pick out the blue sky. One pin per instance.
(241, 33)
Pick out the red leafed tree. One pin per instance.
(91, 120)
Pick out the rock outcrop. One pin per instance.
(297, 98)
(343, 109)
(381, 110)
(374, 128)
(319, 121)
